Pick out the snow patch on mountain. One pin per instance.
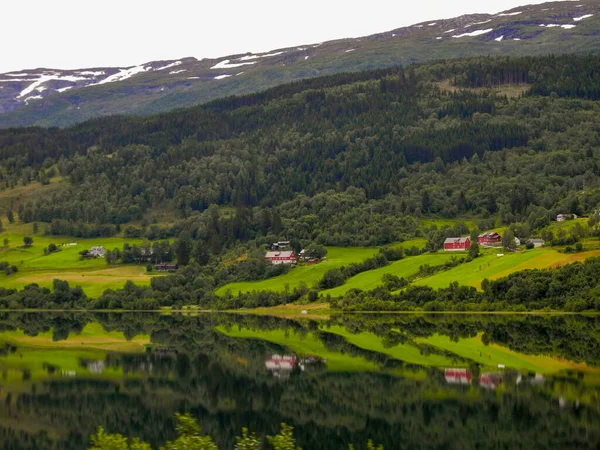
(473, 33)
(587, 16)
(510, 14)
(250, 57)
(226, 64)
(498, 39)
(44, 78)
(556, 25)
(221, 77)
(123, 74)
(168, 66)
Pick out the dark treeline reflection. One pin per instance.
(231, 383)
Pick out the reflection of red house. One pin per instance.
(457, 244)
(457, 376)
(277, 257)
(489, 239)
(490, 380)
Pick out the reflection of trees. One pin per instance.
(223, 382)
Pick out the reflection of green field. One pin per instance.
(35, 267)
(404, 268)
(93, 336)
(310, 275)
(304, 345)
(404, 352)
(36, 353)
(492, 355)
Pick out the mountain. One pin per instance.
(51, 97)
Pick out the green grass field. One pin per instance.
(310, 275)
(93, 275)
(490, 266)
(404, 268)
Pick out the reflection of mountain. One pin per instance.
(226, 382)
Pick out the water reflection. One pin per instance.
(403, 381)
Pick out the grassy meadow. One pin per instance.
(404, 268)
(310, 275)
(491, 266)
(93, 275)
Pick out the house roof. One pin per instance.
(455, 240)
(286, 254)
(540, 241)
(489, 234)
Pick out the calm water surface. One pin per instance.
(405, 381)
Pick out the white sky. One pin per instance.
(69, 34)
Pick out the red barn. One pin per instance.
(489, 239)
(287, 257)
(457, 244)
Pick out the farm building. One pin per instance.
(276, 257)
(563, 217)
(97, 251)
(491, 239)
(537, 242)
(281, 245)
(457, 244)
(165, 267)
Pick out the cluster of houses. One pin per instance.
(280, 253)
(489, 380)
(487, 240)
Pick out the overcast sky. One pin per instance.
(69, 34)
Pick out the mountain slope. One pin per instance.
(58, 98)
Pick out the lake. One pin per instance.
(404, 381)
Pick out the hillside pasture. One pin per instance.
(404, 268)
(491, 266)
(93, 274)
(307, 274)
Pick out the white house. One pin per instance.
(97, 251)
(563, 217)
(537, 242)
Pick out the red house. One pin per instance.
(489, 239)
(457, 244)
(276, 257)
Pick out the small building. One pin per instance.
(163, 267)
(279, 257)
(490, 239)
(281, 245)
(517, 241)
(563, 217)
(97, 251)
(457, 244)
(536, 242)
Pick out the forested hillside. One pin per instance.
(360, 159)
(350, 156)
